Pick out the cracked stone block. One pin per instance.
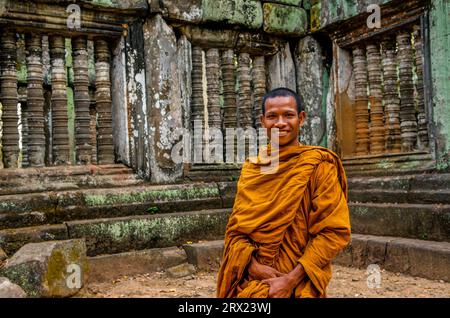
(248, 13)
(183, 10)
(10, 290)
(205, 255)
(182, 270)
(49, 269)
(282, 19)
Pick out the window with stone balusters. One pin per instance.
(55, 93)
(383, 110)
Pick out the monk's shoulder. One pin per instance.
(322, 152)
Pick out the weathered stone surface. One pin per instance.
(419, 258)
(205, 255)
(137, 101)
(227, 193)
(420, 221)
(120, 105)
(164, 99)
(110, 267)
(182, 10)
(281, 70)
(201, 36)
(125, 5)
(310, 86)
(182, 270)
(331, 113)
(10, 290)
(286, 20)
(248, 13)
(440, 68)
(50, 269)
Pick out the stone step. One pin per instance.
(116, 235)
(418, 221)
(109, 267)
(402, 182)
(56, 207)
(34, 180)
(425, 196)
(420, 258)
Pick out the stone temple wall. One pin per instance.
(175, 63)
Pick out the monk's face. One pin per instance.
(282, 113)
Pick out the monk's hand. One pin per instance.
(283, 287)
(259, 271)
(280, 287)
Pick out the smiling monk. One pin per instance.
(286, 227)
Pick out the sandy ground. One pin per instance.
(346, 283)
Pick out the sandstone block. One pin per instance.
(49, 269)
(205, 255)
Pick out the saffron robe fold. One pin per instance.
(297, 215)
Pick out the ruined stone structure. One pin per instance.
(98, 118)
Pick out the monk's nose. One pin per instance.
(280, 122)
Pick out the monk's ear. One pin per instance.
(302, 118)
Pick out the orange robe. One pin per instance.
(297, 215)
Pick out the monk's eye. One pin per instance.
(271, 116)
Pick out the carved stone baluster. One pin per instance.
(213, 80)
(408, 122)
(259, 86)
(105, 146)
(60, 133)
(391, 97)
(229, 89)
(362, 113)
(245, 94)
(35, 101)
(422, 116)
(82, 101)
(93, 132)
(197, 104)
(9, 99)
(377, 140)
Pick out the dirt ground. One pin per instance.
(346, 283)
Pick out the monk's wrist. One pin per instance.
(296, 275)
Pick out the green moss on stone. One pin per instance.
(242, 12)
(150, 196)
(282, 19)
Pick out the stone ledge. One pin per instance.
(417, 221)
(112, 266)
(425, 259)
(205, 255)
